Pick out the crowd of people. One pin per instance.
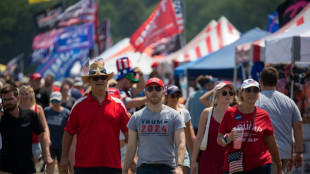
(95, 124)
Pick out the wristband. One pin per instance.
(299, 152)
(225, 139)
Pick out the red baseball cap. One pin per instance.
(154, 80)
(35, 76)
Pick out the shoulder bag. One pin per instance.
(204, 142)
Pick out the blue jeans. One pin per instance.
(265, 169)
(155, 169)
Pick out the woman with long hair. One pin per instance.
(172, 96)
(252, 151)
(27, 101)
(212, 159)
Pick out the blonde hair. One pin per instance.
(30, 90)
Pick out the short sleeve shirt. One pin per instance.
(156, 135)
(17, 141)
(283, 113)
(98, 127)
(256, 152)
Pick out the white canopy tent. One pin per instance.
(289, 47)
(124, 49)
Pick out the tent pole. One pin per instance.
(235, 75)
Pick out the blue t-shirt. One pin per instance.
(56, 122)
(195, 107)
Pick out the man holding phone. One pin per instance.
(16, 127)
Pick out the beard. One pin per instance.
(11, 107)
(153, 100)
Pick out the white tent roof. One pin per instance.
(124, 49)
(291, 46)
(212, 38)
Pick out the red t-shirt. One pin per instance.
(256, 152)
(97, 128)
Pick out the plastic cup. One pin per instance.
(238, 141)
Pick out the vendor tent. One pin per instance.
(212, 38)
(124, 49)
(258, 47)
(221, 63)
(291, 46)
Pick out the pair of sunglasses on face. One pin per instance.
(151, 88)
(224, 93)
(175, 95)
(249, 90)
(55, 101)
(96, 78)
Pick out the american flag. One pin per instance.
(235, 161)
(179, 14)
(85, 67)
(100, 60)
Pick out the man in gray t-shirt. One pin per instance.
(155, 130)
(284, 115)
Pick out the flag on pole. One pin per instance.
(85, 67)
(164, 22)
(12, 64)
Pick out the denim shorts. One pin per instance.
(265, 169)
(36, 150)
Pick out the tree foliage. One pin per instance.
(17, 26)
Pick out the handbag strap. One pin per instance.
(246, 140)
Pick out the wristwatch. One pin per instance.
(180, 164)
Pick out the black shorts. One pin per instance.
(96, 170)
(55, 153)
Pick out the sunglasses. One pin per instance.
(224, 93)
(94, 71)
(254, 90)
(55, 101)
(96, 78)
(151, 88)
(175, 95)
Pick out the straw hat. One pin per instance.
(96, 69)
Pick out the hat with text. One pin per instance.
(171, 89)
(249, 83)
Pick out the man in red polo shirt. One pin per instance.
(96, 119)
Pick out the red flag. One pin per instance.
(162, 23)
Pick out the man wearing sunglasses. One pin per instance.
(284, 115)
(56, 118)
(96, 119)
(129, 85)
(155, 130)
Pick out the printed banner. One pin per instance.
(46, 19)
(161, 24)
(75, 37)
(60, 64)
(38, 56)
(85, 11)
(45, 40)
